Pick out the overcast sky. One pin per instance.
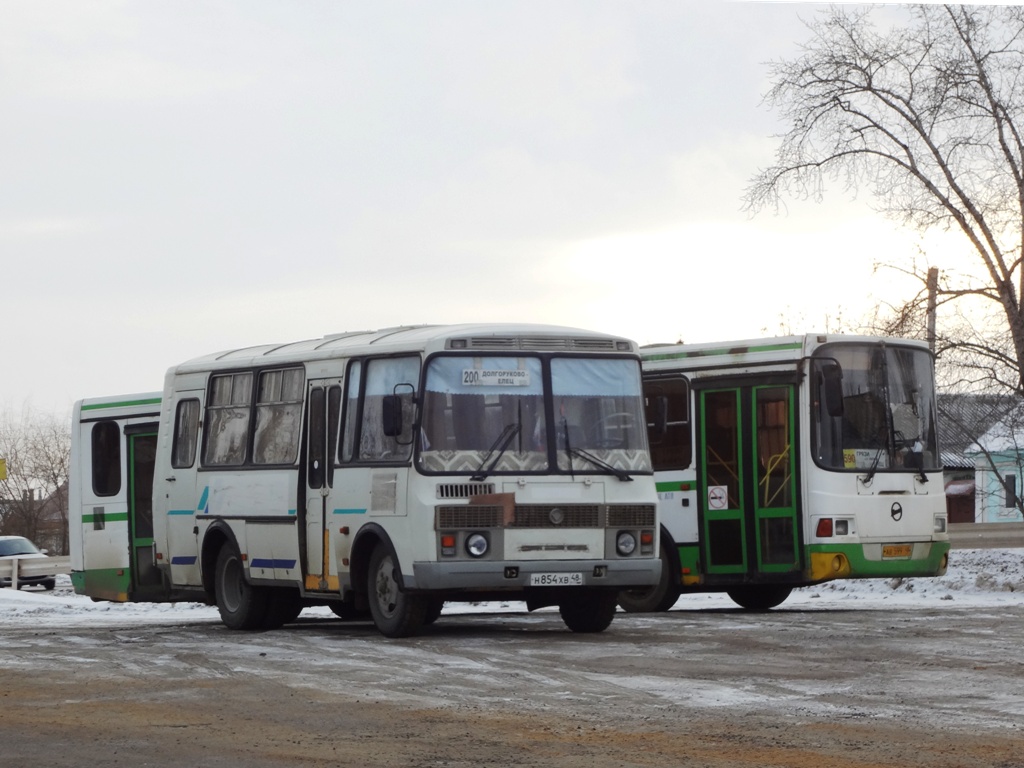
(180, 178)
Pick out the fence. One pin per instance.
(14, 568)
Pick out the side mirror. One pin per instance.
(832, 388)
(391, 415)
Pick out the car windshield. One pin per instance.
(19, 546)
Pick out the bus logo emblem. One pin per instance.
(896, 511)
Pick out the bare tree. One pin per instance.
(929, 116)
(33, 498)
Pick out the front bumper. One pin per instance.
(515, 575)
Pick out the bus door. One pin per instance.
(747, 481)
(141, 442)
(322, 423)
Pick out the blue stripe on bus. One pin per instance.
(181, 560)
(349, 512)
(292, 512)
(203, 501)
(180, 512)
(267, 562)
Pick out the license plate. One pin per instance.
(897, 550)
(556, 579)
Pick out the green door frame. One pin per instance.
(141, 466)
(747, 480)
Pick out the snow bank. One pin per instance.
(981, 577)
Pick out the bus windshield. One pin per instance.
(493, 414)
(874, 408)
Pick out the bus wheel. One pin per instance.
(759, 597)
(347, 611)
(396, 613)
(241, 605)
(660, 597)
(434, 608)
(593, 611)
(283, 607)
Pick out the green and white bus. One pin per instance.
(787, 462)
(381, 473)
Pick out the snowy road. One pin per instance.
(890, 671)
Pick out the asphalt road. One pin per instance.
(914, 686)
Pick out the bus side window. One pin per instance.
(227, 420)
(106, 458)
(186, 434)
(278, 416)
(667, 402)
(388, 377)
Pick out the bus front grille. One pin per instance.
(456, 516)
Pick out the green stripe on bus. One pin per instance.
(675, 485)
(722, 351)
(113, 517)
(102, 583)
(122, 404)
(862, 568)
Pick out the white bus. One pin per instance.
(381, 473)
(790, 461)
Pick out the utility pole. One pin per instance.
(933, 289)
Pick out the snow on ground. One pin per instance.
(981, 577)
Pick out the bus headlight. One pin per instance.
(476, 545)
(625, 543)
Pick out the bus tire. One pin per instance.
(593, 611)
(283, 607)
(759, 597)
(656, 599)
(434, 608)
(241, 605)
(396, 613)
(347, 611)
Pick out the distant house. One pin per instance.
(999, 465)
(52, 517)
(43, 519)
(982, 456)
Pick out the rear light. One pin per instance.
(824, 528)
(842, 527)
(940, 524)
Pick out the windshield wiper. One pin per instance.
(599, 463)
(500, 445)
(619, 473)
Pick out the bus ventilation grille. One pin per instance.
(463, 490)
(539, 343)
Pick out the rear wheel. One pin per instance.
(347, 611)
(759, 597)
(283, 607)
(241, 605)
(434, 608)
(593, 611)
(396, 613)
(660, 597)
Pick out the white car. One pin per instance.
(21, 548)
